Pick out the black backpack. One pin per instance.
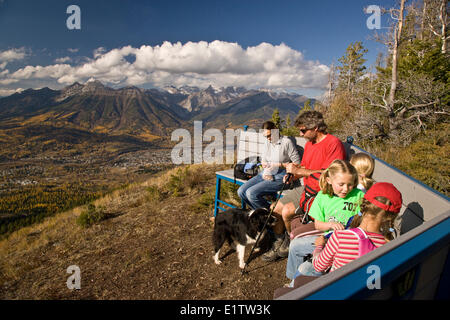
(247, 168)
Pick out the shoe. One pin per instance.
(269, 256)
(283, 251)
(272, 254)
(278, 242)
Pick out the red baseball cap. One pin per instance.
(387, 190)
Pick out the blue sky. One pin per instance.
(313, 33)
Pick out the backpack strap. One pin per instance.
(360, 232)
(310, 192)
(309, 196)
(358, 235)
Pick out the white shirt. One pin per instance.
(281, 151)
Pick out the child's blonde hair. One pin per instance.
(337, 166)
(364, 165)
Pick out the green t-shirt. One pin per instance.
(335, 209)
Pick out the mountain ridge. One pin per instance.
(95, 107)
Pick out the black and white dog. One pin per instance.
(240, 228)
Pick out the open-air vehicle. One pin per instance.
(415, 265)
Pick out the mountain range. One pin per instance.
(144, 112)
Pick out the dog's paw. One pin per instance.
(217, 261)
(257, 250)
(242, 265)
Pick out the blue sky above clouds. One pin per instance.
(285, 45)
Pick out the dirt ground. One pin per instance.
(147, 250)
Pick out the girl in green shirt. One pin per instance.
(338, 199)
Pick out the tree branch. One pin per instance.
(432, 30)
(418, 106)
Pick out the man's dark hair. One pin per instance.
(311, 120)
(268, 125)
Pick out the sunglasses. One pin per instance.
(304, 130)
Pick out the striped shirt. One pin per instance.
(341, 248)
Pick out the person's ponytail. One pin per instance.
(325, 187)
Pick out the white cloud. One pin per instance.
(195, 63)
(8, 92)
(63, 59)
(99, 51)
(12, 54)
(6, 82)
(39, 72)
(73, 50)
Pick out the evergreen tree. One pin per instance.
(277, 119)
(288, 121)
(352, 67)
(307, 106)
(289, 130)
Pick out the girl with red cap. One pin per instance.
(379, 208)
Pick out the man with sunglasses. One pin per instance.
(321, 149)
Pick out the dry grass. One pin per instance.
(426, 159)
(63, 228)
(34, 238)
(147, 250)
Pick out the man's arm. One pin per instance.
(300, 172)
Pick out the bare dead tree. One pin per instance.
(422, 20)
(438, 19)
(331, 83)
(416, 102)
(397, 39)
(395, 105)
(433, 17)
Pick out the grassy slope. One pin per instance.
(154, 245)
